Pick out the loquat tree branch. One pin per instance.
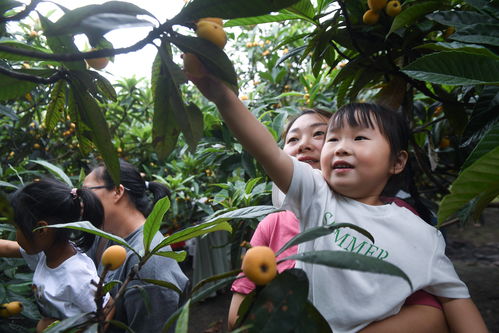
(61, 74)
(22, 14)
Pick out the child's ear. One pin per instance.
(42, 223)
(400, 161)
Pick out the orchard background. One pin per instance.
(437, 61)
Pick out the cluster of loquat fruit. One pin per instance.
(391, 8)
(209, 28)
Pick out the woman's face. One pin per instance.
(105, 195)
(305, 138)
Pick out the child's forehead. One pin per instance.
(356, 119)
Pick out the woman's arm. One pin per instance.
(253, 135)
(10, 249)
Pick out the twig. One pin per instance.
(61, 74)
(22, 14)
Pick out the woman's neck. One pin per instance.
(58, 253)
(124, 223)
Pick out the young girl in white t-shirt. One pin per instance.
(365, 147)
(63, 274)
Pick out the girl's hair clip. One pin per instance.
(74, 193)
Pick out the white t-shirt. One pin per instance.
(348, 299)
(66, 290)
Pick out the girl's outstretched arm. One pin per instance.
(10, 249)
(253, 135)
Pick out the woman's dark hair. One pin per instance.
(135, 186)
(291, 121)
(396, 130)
(53, 201)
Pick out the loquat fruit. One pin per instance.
(370, 17)
(97, 63)
(14, 308)
(376, 5)
(216, 20)
(444, 143)
(212, 32)
(393, 8)
(259, 265)
(113, 257)
(36, 146)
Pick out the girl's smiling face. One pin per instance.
(305, 138)
(357, 161)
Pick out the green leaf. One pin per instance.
(110, 285)
(165, 130)
(311, 320)
(229, 9)
(91, 114)
(153, 221)
(480, 177)
(69, 323)
(191, 232)
(6, 184)
(214, 58)
(55, 108)
(165, 284)
(104, 86)
(317, 232)
(203, 282)
(459, 19)
(454, 68)
(98, 19)
(260, 19)
(195, 117)
(187, 125)
(278, 306)
(303, 8)
(457, 46)
(87, 226)
(175, 255)
(21, 46)
(243, 213)
(55, 170)
(11, 88)
(350, 260)
(182, 325)
(478, 33)
(62, 44)
(411, 14)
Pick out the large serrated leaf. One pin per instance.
(413, 13)
(62, 44)
(478, 33)
(170, 70)
(73, 22)
(14, 44)
(92, 116)
(279, 305)
(454, 68)
(313, 233)
(457, 46)
(480, 177)
(350, 260)
(11, 88)
(229, 9)
(56, 105)
(165, 130)
(215, 60)
(459, 19)
(260, 19)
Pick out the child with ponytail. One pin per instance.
(63, 274)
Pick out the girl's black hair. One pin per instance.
(52, 201)
(291, 121)
(393, 126)
(135, 186)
